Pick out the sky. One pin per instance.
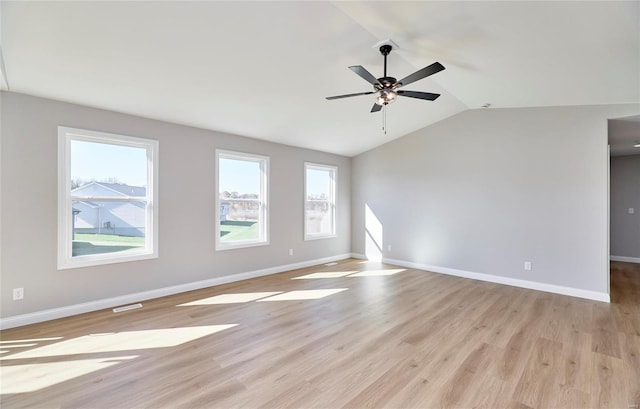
(128, 165)
(239, 176)
(243, 177)
(102, 162)
(317, 182)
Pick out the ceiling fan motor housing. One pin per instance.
(387, 82)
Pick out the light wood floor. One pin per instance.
(409, 339)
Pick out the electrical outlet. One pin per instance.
(291, 252)
(18, 294)
(527, 265)
(388, 247)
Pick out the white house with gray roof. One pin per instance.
(118, 217)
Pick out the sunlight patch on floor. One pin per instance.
(329, 274)
(121, 341)
(373, 273)
(32, 377)
(18, 345)
(304, 295)
(230, 298)
(339, 274)
(371, 262)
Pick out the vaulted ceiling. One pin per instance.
(263, 69)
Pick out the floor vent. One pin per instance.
(127, 307)
(331, 264)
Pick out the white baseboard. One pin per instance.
(358, 256)
(625, 259)
(54, 313)
(532, 285)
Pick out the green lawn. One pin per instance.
(85, 244)
(232, 230)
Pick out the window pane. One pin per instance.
(319, 201)
(102, 162)
(241, 201)
(318, 184)
(101, 170)
(239, 220)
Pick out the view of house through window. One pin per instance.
(242, 200)
(319, 209)
(106, 199)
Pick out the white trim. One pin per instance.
(607, 265)
(532, 285)
(319, 236)
(625, 259)
(4, 81)
(61, 312)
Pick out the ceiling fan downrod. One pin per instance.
(385, 50)
(386, 82)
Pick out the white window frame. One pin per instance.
(332, 200)
(263, 217)
(65, 217)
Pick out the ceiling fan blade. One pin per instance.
(351, 95)
(417, 94)
(376, 108)
(420, 74)
(366, 75)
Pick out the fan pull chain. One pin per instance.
(384, 118)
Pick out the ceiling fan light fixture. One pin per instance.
(386, 97)
(636, 145)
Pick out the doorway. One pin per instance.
(624, 190)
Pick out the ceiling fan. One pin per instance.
(387, 87)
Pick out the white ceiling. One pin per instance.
(263, 69)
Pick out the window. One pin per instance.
(242, 219)
(107, 199)
(319, 201)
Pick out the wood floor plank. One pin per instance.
(537, 385)
(576, 362)
(569, 398)
(518, 349)
(409, 339)
(439, 362)
(501, 323)
(490, 393)
(454, 392)
(630, 345)
(609, 386)
(604, 338)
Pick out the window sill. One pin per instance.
(319, 237)
(240, 245)
(97, 260)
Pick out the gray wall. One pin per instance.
(625, 194)
(488, 189)
(186, 207)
